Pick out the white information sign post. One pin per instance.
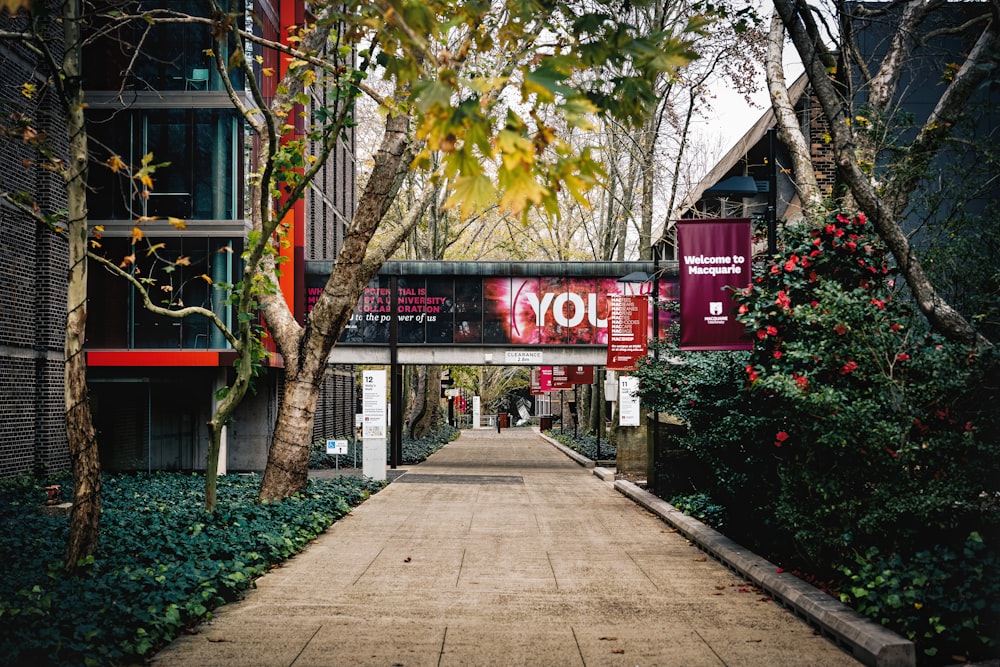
(628, 401)
(373, 422)
(476, 412)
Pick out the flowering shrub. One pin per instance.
(878, 426)
(852, 432)
(887, 433)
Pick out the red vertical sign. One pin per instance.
(714, 260)
(627, 326)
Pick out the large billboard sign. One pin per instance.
(714, 261)
(479, 310)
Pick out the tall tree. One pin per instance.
(444, 105)
(61, 59)
(884, 194)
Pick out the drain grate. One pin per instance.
(460, 479)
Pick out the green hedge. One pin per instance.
(851, 442)
(162, 563)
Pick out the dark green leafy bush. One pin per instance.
(945, 598)
(162, 563)
(851, 434)
(414, 451)
(701, 507)
(585, 444)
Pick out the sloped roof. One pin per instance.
(742, 146)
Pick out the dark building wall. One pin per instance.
(32, 286)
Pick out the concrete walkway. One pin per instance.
(499, 550)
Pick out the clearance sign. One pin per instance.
(714, 262)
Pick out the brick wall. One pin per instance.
(821, 148)
(32, 286)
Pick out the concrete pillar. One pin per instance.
(633, 455)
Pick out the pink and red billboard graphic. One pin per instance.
(714, 261)
(500, 310)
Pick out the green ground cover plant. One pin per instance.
(162, 564)
(414, 450)
(585, 444)
(851, 443)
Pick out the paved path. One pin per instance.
(498, 550)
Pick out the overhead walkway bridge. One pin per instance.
(502, 313)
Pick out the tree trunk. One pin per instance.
(305, 350)
(85, 461)
(887, 222)
(789, 130)
(425, 408)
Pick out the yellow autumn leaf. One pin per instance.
(520, 189)
(14, 6)
(136, 235)
(28, 90)
(154, 248)
(129, 259)
(470, 194)
(206, 279)
(267, 71)
(183, 261)
(115, 164)
(145, 179)
(177, 223)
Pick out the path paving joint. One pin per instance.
(498, 550)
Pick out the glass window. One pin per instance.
(198, 157)
(172, 56)
(118, 318)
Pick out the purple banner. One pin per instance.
(714, 261)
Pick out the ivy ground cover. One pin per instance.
(162, 564)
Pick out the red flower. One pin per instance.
(752, 374)
(848, 368)
(743, 310)
(902, 356)
(772, 330)
(878, 303)
(790, 264)
(780, 438)
(860, 220)
(783, 300)
(777, 354)
(762, 334)
(842, 219)
(896, 327)
(775, 270)
(801, 380)
(830, 228)
(840, 328)
(851, 245)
